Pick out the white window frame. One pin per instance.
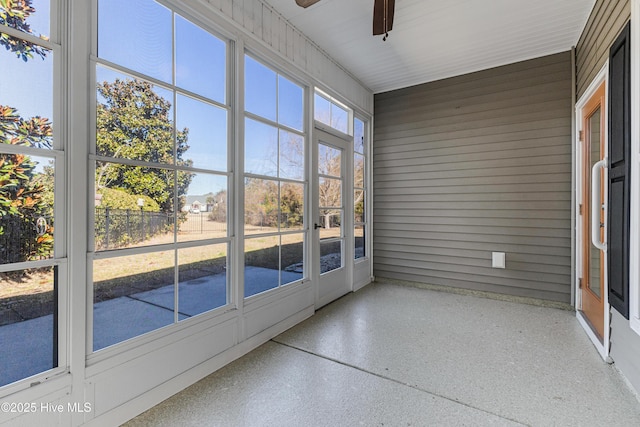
(257, 299)
(56, 44)
(94, 357)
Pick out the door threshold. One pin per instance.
(599, 344)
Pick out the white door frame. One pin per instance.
(340, 280)
(602, 347)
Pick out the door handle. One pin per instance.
(316, 226)
(596, 205)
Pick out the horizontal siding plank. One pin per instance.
(472, 221)
(477, 188)
(479, 275)
(562, 295)
(543, 136)
(525, 262)
(488, 239)
(522, 248)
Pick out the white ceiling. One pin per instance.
(436, 39)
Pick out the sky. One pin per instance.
(141, 39)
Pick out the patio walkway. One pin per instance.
(397, 356)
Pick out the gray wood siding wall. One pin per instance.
(607, 18)
(474, 164)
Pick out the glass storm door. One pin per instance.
(330, 216)
(592, 288)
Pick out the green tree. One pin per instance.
(25, 198)
(134, 123)
(14, 14)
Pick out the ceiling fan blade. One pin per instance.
(306, 3)
(383, 16)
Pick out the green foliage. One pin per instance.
(24, 194)
(119, 199)
(21, 203)
(261, 202)
(292, 205)
(33, 132)
(134, 123)
(14, 13)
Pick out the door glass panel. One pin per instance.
(595, 253)
(329, 161)
(330, 256)
(359, 242)
(330, 192)
(330, 222)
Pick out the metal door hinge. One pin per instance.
(579, 283)
(580, 135)
(580, 209)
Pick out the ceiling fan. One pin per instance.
(382, 15)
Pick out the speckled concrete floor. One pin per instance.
(398, 356)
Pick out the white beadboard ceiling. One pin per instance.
(436, 39)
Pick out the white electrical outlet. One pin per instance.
(498, 260)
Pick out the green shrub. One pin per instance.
(119, 199)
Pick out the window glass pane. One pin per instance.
(200, 61)
(260, 89)
(136, 35)
(339, 118)
(134, 206)
(329, 161)
(359, 206)
(260, 206)
(203, 207)
(203, 132)
(26, 208)
(331, 223)
(133, 295)
(330, 192)
(33, 19)
(260, 148)
(135, 119)
(358, 136)
(359, 242)
(291, 206)
(262, 265)
(26, 110)
(322, 109)
(358, 170)
(290, 104)
(202, 279)
(27, 308)
(292, 258)
(291, 155)
(330, 256)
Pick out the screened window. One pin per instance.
(330, 112)
(359, 187)
(31, 241)
(161, 176)
(274, 179)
